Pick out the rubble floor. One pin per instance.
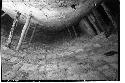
(79, 59)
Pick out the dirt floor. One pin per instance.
(79, 59)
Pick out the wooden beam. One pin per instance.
(88, 29)
(12, 29)
(98, 19)
(74, 31)
(91, 19)
(26, 32)
(33, 33)
(3, 15)
(26, 26)
(69, 32)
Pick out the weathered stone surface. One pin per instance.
(6, 67)
(21, 54)
(71, 68)
(83, 77)
(92, 75)
(42, 62)
(6, 56)
(21, 75)
(72, 48)
(29, 67)
(111, 59)
(88, 46)
(81, 55)
(4, 47)
(6, 50)
(51, 67)
(17, 66)
(73, 77)
(31, 59)
(109, 73)
(66, 53)
(79, 50)
(40, 56)
(41, 68)
(64, 64)
(99, 63)
(114, 65)
(103, 67)
(13, 59)
(42, 75)
(56, 75)
(82, 62)
(33, 75)
(8, 75)
(96, 58)
(96, 45)
(83, 69)
(53, 75)
(51, 55)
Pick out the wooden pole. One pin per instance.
(69, 32)
(90, 17)
(24, 31)
(97, 17)
(12, 29)
(89, 28)
(74, 31)
(33, 33)
(3, 15)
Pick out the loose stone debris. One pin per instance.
(83, 61)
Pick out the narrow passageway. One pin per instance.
(87, 50)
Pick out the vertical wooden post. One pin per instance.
(33, 33)
(23, 31)
(69, 32)
(74, 31)
(93, 23)
(88, 26)
(25, 34)
(97, 17)
(12, 29)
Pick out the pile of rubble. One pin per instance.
(93, 60)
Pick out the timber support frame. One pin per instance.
(9, 41)
(24, 31)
